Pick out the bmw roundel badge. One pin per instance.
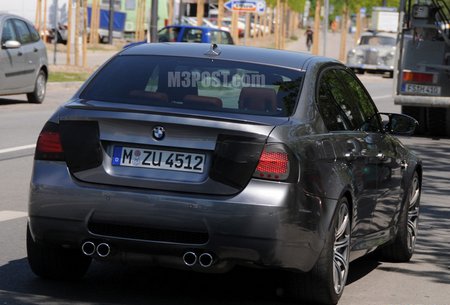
(159, 133)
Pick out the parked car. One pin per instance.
(206, 22)
(188, 33)
(206, 157)
(375, 52)
(23, 59)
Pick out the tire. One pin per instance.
(419, 113)
(402, 248)
(53, 262)
(437, 125)
(40, 88)
(325, 283)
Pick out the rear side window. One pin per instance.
(168, 34)
(220, 37)
(34, 34)
(192, 35)
(203, 84)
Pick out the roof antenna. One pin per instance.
(213, 50)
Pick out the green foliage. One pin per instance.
(295, 5)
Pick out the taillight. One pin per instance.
(273, 164)
(418, 77)
(49, 145)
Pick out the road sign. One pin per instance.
(248, 6)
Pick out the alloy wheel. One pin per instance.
(341, 249)
(413, 212)
(40, 86)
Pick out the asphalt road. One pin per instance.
(425, 280)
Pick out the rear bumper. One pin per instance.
(422, 101)
(268, 224)
(368, 67)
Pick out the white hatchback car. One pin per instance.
(23, 59)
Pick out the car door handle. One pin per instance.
(19, 53)
(350, 156)
(381, 156)
(35, 50)
(404, 164)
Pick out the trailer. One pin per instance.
(422, 71)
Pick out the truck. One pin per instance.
(384, 19)
(422, 70)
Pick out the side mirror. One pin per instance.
(399, 124)
(11, 44)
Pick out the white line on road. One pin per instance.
(8, 215)
(381, 97)
(17, 148)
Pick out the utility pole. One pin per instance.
(84, 34)
(45, 21)
(77, 33)
(315, 46)
(111, 21)
(343, 33)
(234, 26)
(170, 17)
(55, 38)
(277, 25)
(37, 21)
(154, 21)
(200, 11)
(95, 20)
(69, 32)
(139, 33)
(220, 13)
(325, 26)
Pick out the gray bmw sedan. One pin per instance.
(206, 157)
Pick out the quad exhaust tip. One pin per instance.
(190, 259)
(205, 260)
(88, 248)
(103, 250)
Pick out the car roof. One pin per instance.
(286, 59)
(8, 15)
(203, 28)
(374, 33)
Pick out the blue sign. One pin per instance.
(250, 6)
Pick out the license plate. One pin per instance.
(421, 89)
(158, 159)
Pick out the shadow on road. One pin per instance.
(112, 284)
(433, 244)
(9, 101)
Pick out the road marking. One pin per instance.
(381, 97)
(17, 148)
(8, 215)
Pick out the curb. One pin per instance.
(64, 85)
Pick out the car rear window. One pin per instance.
(197, 83)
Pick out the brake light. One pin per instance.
(418, 77)
(273, 164)
(49, 145)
